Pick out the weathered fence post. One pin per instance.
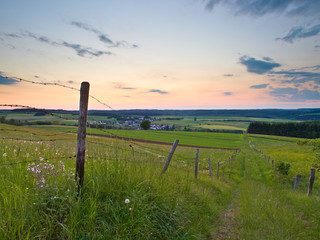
(272, 162)
(296, 182)
(82, 129)
(210, 169)
(218, 166)
(311, 180)
(132, 150)
(196, 164)
(170, 156)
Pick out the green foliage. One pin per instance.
(145, 124)
(283, 168)
(309, 129)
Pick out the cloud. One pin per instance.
(103, 37)
(85, 51)
(301, 32)
(120, 86)
(6, 81)
(263, 7)
(12, 35)
(258, 66)
(260, 86)
(227, 93)
(294, 95)
(81, 51)
(294, 76)
(158, 91)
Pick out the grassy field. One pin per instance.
(189, 122)
(126, 197)
(220, 140)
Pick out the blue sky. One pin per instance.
(182, 54)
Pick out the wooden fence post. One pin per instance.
(132, 150)
(272, 162)
(175, 144)
(196, 164)
(311, 180)
(210, 169)
(82, 129)
(296, 182)
(218, 166)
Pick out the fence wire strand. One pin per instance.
(59, 85)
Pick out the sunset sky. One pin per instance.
(168, 54)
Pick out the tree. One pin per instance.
(145, 124)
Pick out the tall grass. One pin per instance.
(124, 196)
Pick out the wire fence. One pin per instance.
(132, 144)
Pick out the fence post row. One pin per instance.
(196, 164)
(82, 129)
(175, 144)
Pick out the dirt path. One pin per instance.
(227, 228)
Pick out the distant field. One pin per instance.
(215, 122)
(206, 139)
(218, 123)
(301, 158)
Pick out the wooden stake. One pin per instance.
(218, 166)
(196, 164)
(311, 180)
(298, 177)
(175, 144)
(82, 129)
(210, 169)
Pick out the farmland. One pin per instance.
(126, 197)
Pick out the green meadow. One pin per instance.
(125, 196)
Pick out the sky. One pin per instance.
(168, 54)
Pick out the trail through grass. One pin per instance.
(265, 209)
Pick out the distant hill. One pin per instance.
(290, 114)
(302, 114)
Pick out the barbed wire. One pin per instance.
(37, 134)
(37, 109)
(42, 159)
(56, 84)
(33, 140)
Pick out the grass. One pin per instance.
(170, 206)
(301, 158)
(206, 139)
(283, 213)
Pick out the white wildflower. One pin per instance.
(126, 201)
(4, 155)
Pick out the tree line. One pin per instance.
(308, 129)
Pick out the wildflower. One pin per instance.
(4, 155)
(130, 209)
(126, 201)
